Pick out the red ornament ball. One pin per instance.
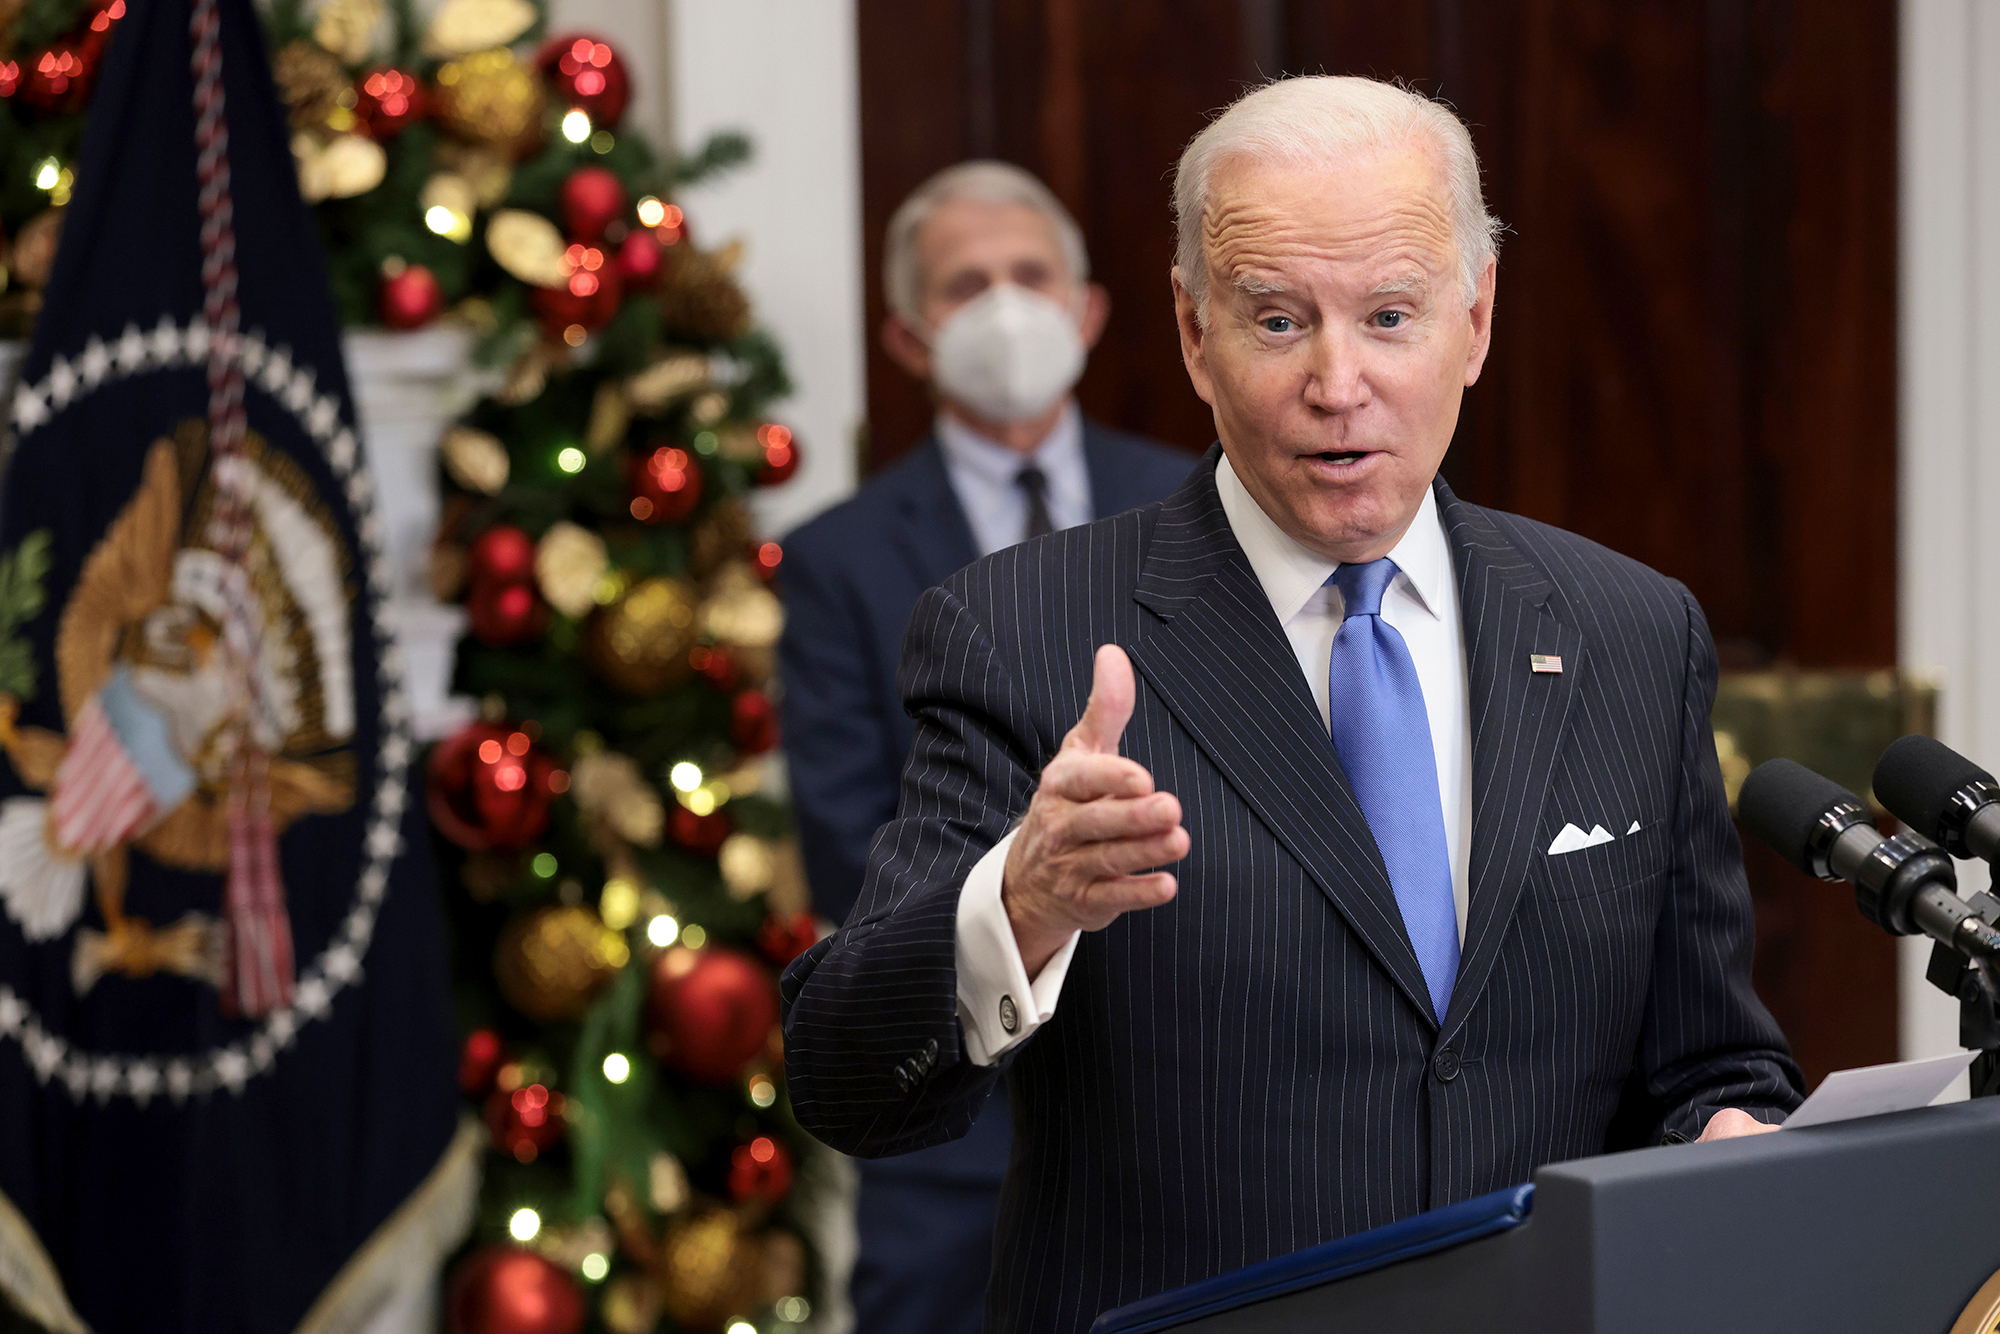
(410, 298)
(585, 302)
(504, 554)
(587, 74)
(753, 722)
(709, 1012)
(765, 558)
(592, 198)
(781, 454)
(760, 1171)
(505, 1290)
(489, 788)
(524, 1121)
(505, 615)
(479, 1061)
(717, 666)
(389, 101)
(703, 834)
(785, 936)
(666, 485)
(639, 259)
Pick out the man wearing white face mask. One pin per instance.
(991, 306)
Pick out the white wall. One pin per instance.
(1949, 447)
(785, 72)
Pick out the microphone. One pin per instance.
(1942, 795)
(1900, 884)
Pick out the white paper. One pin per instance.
(1876, 1089)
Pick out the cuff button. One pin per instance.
(1010, 1017)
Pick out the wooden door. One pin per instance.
(1694, 356)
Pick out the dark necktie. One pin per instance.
(1036, 483)
(1382, 734)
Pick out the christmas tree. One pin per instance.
(616, 852)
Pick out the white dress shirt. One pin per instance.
(982, 474)
(998, 1004)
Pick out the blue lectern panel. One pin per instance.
(1420, 1235)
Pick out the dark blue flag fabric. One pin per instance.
(226, 1099)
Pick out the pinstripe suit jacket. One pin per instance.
(1256, 1067)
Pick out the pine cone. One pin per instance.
(310, 79)
(701, 299)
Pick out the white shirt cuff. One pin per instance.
(998, 1006)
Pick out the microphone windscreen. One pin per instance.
(1780, 803)
(1915, 779)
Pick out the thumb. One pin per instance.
(1110, 706)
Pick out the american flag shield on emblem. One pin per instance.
(226, 1100)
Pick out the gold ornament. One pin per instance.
(740, 611)
(668, 380)
(569, 560)
(749, 865)
(610, 418)
(347, 28)
(609, 787)
(708, 408)
(527, 376)
(553, 962)
(491, 98)
(34, 255)
(719, 538)
(344, 166)
(639, 643)
(489, 173)
(667, 1183)
(310, 81)
(631, 1305)
(529, 247)
(700, 296)
(461, 27)
(475, 460)
(710, 1270)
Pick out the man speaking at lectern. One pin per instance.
(1312, 848)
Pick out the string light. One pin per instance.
(742, 1327)
(618, 903)
(693, 937)
(576, 127)
(595, 1267)
(794, 1309)
(47, 172)
(652, 212)
(545, 865)
(662, 930)
(524, 1225)
(616, 1068)
(685, 776)
(762, 1091)
(570, 459)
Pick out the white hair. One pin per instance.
(982, 181)
(1320, 121)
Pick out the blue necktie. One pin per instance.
(1383, 737)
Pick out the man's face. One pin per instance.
(1337, 344)
(964, 248)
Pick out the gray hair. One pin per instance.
(982, 181)
(1318, 120)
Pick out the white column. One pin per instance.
(785, 73)
(407, 388)
(1949, 389)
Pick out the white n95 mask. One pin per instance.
(1009, 354)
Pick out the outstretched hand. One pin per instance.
(1095, 821)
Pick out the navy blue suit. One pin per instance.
(1257, 1067)
(851, 577)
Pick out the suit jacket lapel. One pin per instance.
(935, 537)
(1220, 662)
(1518, 722)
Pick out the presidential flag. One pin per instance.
(226, 1100)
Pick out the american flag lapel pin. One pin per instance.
(1545, 662)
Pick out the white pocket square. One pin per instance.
(1572, 839)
